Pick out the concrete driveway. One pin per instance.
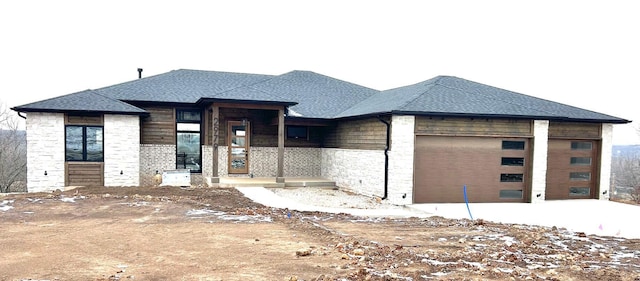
(599, 217)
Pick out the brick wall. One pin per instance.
(45, 151)
(121, 150)
(401, 160)
(540, 150)
(359, 170)
(605, 161)
(155, 157)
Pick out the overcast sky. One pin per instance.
(581, 53)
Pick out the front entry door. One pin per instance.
(238, 141)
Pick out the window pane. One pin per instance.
(239, 130)
(580, 161)
(580, 176)
(296, 132)
(513, 145)
(581, 145)
(188, 151)
(188, 127)
(188, 115)
(94, 144)
(579, 191)
(511, 177)
(512, 161)
(510, 194)
(74, 148)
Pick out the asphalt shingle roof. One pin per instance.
(85, 101)
(185, 86)
(447, 95)
(318, 96)
(312, 95)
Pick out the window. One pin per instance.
(512, 161)
(580, 161)
(188, 140)
(84, 143)
(511, 177)
(581, 145)
(579, 191)
(510, 194)
(513, 145)
(580, 176)
(297, 132)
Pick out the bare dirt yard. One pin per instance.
(217, 234)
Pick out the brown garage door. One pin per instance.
(571, 169)
(493, 169)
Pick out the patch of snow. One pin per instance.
(206, 213)
(68, 199)
(4, 205)
(290, 112)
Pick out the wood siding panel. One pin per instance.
(472, 126)
(357, 134)
(263, 132)
(159, 127)
(83, 120)
(574, 130)
(84, 173)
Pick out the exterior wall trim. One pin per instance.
(539, 150)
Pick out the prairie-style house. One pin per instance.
(412, 144)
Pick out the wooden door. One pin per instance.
(238, 140)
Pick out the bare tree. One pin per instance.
(13, 151)
(626, 170)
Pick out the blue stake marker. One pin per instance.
(466, 200)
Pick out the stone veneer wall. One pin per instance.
(401, 159)
(540, 148)
(155, 157)
(359, 170)
(605, 161)
(45, 151)
(206, 160)
(121, 150)
(302, 161)
(263, 161)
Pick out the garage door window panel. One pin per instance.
(511, 194)
(580, 176)
(580, 161)
(579, 192)
(581, 145)
(512, 161)
(513, 145)
(511, 177)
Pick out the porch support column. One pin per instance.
(280, 173)
(215, 126)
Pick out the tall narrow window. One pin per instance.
(84, 143)
(188, 151)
